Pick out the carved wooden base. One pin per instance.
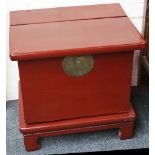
(31, 140)
(32, 132)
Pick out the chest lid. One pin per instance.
(44, 33)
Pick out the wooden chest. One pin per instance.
(75, 66)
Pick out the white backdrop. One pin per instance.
(135, 9)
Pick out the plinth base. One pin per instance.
(32, 132)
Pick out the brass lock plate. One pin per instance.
(78, 65)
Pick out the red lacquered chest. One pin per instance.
(75, 66)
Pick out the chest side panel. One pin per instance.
(49, 94)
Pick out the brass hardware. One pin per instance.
(78, 65)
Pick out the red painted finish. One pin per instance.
(33, 132)
(72, 123)
(53, 103)
(31, 142)
(125, 132)
(38, 41)
(66, 14)
(47, 90)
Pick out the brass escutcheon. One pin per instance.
(78, 65)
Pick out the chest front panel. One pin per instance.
(50, 94)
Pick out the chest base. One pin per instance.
(33, 132)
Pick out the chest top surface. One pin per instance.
(43, 33)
